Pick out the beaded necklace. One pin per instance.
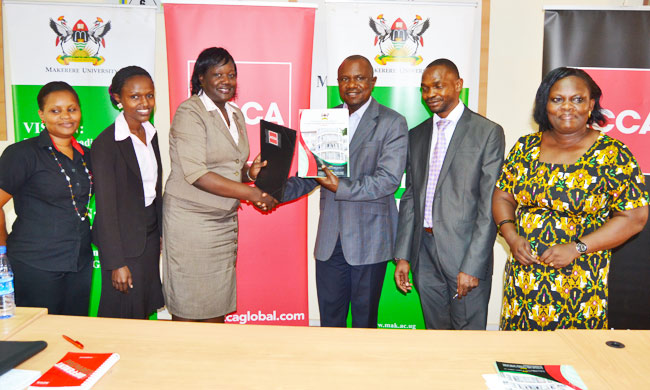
(90, 179)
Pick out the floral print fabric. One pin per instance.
(557, 204)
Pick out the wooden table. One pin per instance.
(24, 316)
(624, 368)
(167, 355)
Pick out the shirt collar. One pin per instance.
(361, 110)
(210, 106)
(207, 102)
(76, 146)
(123, 132)
(45, 140)
(454, 115)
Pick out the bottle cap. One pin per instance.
(3, 249)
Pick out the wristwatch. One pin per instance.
(581, 247)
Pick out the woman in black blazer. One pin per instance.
(128, 181)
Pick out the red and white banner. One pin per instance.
(272, 46)
(627, 108)
(573, 37)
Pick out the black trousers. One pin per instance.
(340, 285)
(66, 293)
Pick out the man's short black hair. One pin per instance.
(447, 64)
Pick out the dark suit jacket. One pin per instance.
(120, 226)
(363, 212)
(462, 206)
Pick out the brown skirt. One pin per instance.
(199, 256)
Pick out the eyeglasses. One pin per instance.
(357, 79)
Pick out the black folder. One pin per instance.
(277, 144)
(12, 353)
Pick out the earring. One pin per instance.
(589, 114)
(120, 106)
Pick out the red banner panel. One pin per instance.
(626, 104)
(272, 46)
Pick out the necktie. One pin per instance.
(435, 165)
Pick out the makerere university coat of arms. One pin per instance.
(398, 42)
(79, 43)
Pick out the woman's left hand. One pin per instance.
(256, 166)
(559, 256)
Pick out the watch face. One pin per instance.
(581, 247)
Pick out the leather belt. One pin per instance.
(428, 230)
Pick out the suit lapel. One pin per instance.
(156, 151)
(242, 145)
(459, 133)
(421, 157)
(221, 126)
(366, 126)
(128, 152)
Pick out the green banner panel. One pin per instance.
(97, 112)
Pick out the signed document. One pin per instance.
(324, 140)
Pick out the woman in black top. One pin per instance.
(50, 180)
(128, 176)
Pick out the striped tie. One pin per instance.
(435, 165)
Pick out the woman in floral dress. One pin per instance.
(567, 195)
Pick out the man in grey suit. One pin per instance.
(445, 232)
(358, 215)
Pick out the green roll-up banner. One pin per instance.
(400, 39)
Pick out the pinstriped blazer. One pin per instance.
(363, 212)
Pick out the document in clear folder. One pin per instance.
(324, 140)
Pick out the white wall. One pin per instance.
(515, 65)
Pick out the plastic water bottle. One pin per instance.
(7, 302)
